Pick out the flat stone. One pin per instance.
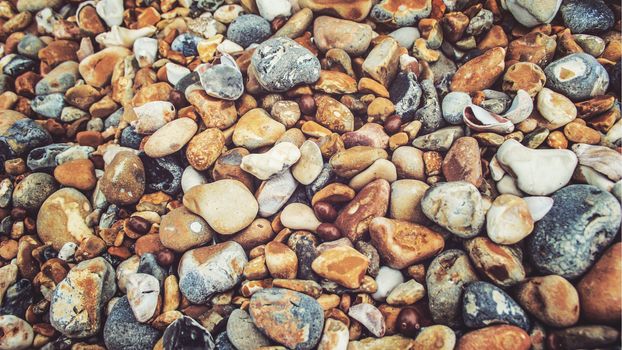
(242, 332)
(371, 201)
(343, 265)
(582, 16)
(256, 129)
(599, 290)
(479, 73)
(552, 299)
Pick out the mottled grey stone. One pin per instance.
(33, 190)
(24, 135)
(587, 16)
(484, 304)
(281, 63)
(49, 106)
(44, 158)
(248, 29)
(123, 332)
(242, 332)
(582, 223)
(430, 113)
(589, 77)
(405, 94)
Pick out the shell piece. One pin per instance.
(538, 206)
(223, 80)
(120, 36)
(479, 119)
(145, 51)
(175, 72)
(602, 159)
(111, 11)
(521, 107)
(370, 317)
(496, 170)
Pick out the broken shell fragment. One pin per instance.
(120, 36)
(479, 119)
(520, 109)
(370, 317)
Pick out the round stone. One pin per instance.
(181, 230)
(484, 304)
(578, 76)
(242, 332)
(123, 182)
(123, 332)
(248, 29)
(33, 190)
(587, 16)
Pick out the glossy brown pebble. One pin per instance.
(328, 232)
(408, 322)
(552, 299)
(583, 337)
(600, 290)
(325, 212)
(123, 182)
(495, 338)
(79, 173)
(181, 230)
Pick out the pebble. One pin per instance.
(463, 163)
(281, 63)
(336, 335)
(79, 173)
(334, 115)
(456, 206)
(479, 73)
(96, 69)
(401, 243)
(310, 164)
(181, 230)
(555, 108)
(582, 16)
(77, 302)
(395, 13)
(343, 265)
(502, 337)
(287, 317)
(558, 165)
(218, 203)
(370, 317)
(484, 304)
(370, 202)
(599, 290)
(387, 279)
(248, 29)
(49, 106)
(170, 138)
(206, 271)
(242, 332)
(265, 165)
(123, 331)
(437, 337)
(204, 149)
(572, 218)
(162, 174)
(552, 299)
(531, 14)
(33, 190)
(501, 264)
(405, 94)
(380, 169)
(452, 106)
(62, 218)
(508, 220)
(439, 140)
(143, 291)
(17, 334)
(578, 76)
(123, 181)
(256, 129)
(333, 33)
(185, 333)
(406, 198)
(445, 279)
(407, 293)
(58, 80)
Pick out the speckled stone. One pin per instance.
(242, 332)
(484, 304)
(281, 63)
(186, 333)
(293, 319)
(33, 190)
(123, 332)
(124, 179)
(21, 134)
(248, 29)
(405, 94)
(587, 16)
(583, 221)
(445, 280)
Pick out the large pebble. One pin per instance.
(406, 198)
(532, 13)
(170, 138)
(333, 33)
(290, 318)
(310, 164)
(600, 289)
(501, 264)
(481, 72)
(371, 201)
(582, 222)
(456, 206)
(578, 76)
(484, 304)
(552, 299)
(209, 270)
(219, 204)
(62, 218)
(186, 333)
(33, 190)
(123, 332)
(123, 182)
(508, 220)
(143, 291)
(242, 332)
(265, 165)
(463, 163)
(96, 69)
(584, 16)
(17, 334)
(501, 337)
(181, 230)
(256, 129)
(248, 29)
(343, 265)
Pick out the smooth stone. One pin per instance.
(382, 61)
(335, 337)
(281, 63)
(205, 148)
(405, 36)
(62, 218)
(299, 216)
(555, 108)
(59, 79)
(343, 265)
(79, 299)
(408, 162)
(19, 135)
(456, 206)
(242, 332)
(407, 293)
(538, 206)
(153, 115)
(580, 213)
(162, 174)
(508, 220)
(274, 193)
(387, 279)
(484, 304)
(310, 164)
(17, 334)
(405, 94)
(223, 80)
(333, 33)
(123, 181)
(526, 163)
(96, 69)
(501, 264)
(181, 230)
(463, 163)
(578, 76)
(591, 44)
(334, 115)
(437, 337)
(347, 163)
(370, 134)
(287, 317)
(146, 51)
(49, 106)
(380, 169)
(585, 337)
(583, 16)
(123, 332)
(256, 129)
(170, 138)
(206, 271)
(552, 299)
(445, 279)
(278, 159)
(402, 243)
(602, 159)
(452, 106)
(406, 198)
(397, 13)
(248, 29)
(532, 13)
(190, 178)
(270, 9)
(218, 203)
(371, 201)
(143, 291)
(501, 337)
(33, 190)
(480, 72)
(600, 289)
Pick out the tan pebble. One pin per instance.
(343, 265)
(281, 261)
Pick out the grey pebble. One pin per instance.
(485, 304)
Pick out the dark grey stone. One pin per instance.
(18, 65)
(186, 43)
(123, 332)
(208, 5)
(405, 94)
(44, 158)
(484, 304)
(587, 16)
(149, 265)
(130, 138)
(49, 106)
(248, 29)
(33, 190)
(162, 174)
(430, 113)
(223, 343)
(187, 334)
(281, 63)
(587, 337)
(593, 80)
(25, 135)
(306, 253)
(583, 221)
(5, 83)
(327, 176)
(114, 119)
(223, 80)
(30, 45)
(17, 298)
